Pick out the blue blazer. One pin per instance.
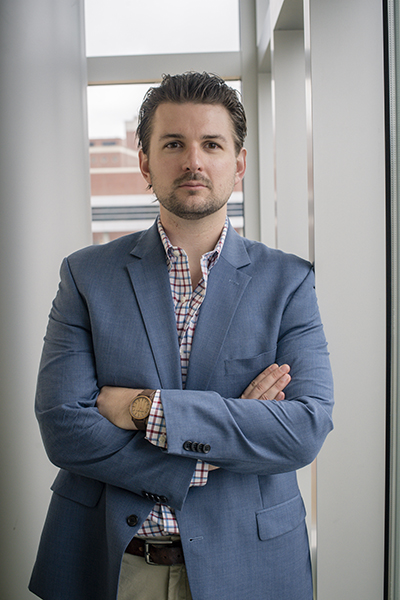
(113, 323)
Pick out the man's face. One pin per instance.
(192, 164)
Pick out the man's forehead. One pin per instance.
(180, 115)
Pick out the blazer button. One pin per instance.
(194, 446)
(145, 495)
(132, 520)
(187, 445)
(163, 499)
(206, 448)
(200, 447)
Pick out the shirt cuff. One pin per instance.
(156, 434)
(156, 431)
(200, 475)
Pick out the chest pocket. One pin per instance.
(246, 366)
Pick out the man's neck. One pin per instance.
(196, 237)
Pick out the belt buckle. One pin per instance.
(147, 545)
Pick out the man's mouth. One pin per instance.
(193, 182)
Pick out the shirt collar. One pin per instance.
(172, 252)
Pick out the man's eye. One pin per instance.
(212, 145)
(172, 145)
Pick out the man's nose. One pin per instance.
(193, 161)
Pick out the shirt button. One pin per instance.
(175, 252)
(162, 439)
(182, 351)
(132, 520)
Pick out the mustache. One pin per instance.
(192, 177)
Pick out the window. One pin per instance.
(124, 30)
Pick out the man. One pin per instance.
(164, 391)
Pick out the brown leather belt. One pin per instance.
(157, 552)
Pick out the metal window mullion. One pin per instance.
(393, 520)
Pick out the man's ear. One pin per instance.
(144, 166)
(240, 165)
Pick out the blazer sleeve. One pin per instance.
(263, 437)
(76, 437)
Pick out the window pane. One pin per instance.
(120, 201)
(123, 27)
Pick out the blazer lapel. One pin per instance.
(149, 275)
(225, 288)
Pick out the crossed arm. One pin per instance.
(113, 402)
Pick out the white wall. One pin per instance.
(44, 215)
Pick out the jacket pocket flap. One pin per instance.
(277, 520)
(77, 488)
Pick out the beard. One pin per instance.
(185, 208)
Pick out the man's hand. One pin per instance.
(113, 403)
(268, 385)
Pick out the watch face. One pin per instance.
(140, 407)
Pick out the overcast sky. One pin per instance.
(159, 26)
(109, 106)
(119, 27)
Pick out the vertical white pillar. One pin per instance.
(266, 159)
(288, 71)
(44, 215)
(349, 176)
(248, 46)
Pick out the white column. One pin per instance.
(349, 176)
(44, 215)
(266, 160)
(251, 183)
(288, 71)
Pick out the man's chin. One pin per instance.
(193, 209)
(194, 216)
(191, 215)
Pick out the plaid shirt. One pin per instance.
(187, 303)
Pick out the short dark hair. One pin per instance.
(199, 88)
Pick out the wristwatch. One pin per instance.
(140, 407)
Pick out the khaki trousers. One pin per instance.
(140, 581)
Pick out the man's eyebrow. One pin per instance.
(180, 136)
(216, 136)
(168, 136)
